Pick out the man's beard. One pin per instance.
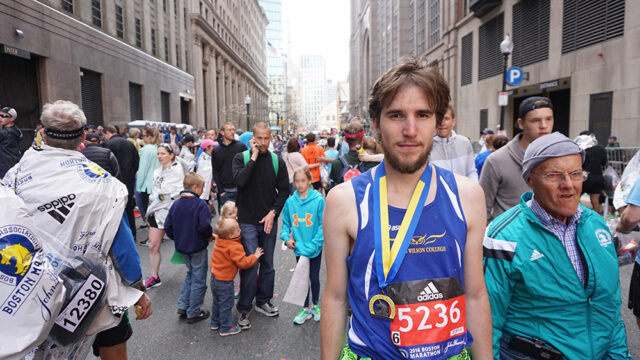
(392, 159)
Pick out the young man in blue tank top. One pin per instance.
(403, 241)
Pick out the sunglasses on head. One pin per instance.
(167, 146)
(5, 116)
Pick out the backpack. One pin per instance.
(350, 171)
(274, 159)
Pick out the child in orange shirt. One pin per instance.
(228, 255)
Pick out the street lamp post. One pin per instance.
(506, 47)
(247, 101)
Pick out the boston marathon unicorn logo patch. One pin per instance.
(603, 237)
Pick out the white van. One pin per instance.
(162, 126)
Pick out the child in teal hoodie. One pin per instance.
(302, 233)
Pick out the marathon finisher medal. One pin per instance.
(389, 258)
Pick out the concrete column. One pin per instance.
(221, 89)
(196, 65)
(213, 92)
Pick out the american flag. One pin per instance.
(272, 48)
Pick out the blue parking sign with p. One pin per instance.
(514, 76)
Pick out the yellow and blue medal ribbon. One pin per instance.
(389, 258)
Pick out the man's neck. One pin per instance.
(524, 142)
(400, 186)
(226, 141)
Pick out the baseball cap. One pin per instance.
(532, 103)
(11, 111)
(187, 138)
(487, 131)
(92, 136)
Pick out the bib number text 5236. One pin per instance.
(428, 322)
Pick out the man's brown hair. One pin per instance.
(410, 71)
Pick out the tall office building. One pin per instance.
(313, 92)
(276, 62)
(573, 52)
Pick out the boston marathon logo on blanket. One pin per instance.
(18, 269)
(430, 321)
(89, 172)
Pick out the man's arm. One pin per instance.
(282, 183)
(629, 219)
(241, 172)
(478, 311)
(339, 212)
(113, 160)
(470, 167)
(489, 181)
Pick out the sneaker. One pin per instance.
(182, 313)
(244, 322)
(215, 327)
(204, 314)
(303, 315)
(236, 294)
(267, 309)
(235, 329)
(315, 310)
(153, 282)
(144, 242)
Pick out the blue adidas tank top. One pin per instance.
(430, 319)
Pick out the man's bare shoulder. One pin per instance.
(341, 197)
(471, 193)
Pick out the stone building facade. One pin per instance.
(580, 54)
(119, 60)
(229, 62)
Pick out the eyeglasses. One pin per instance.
(558, 177)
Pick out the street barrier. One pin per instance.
(619, 157)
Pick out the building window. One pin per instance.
(466, 60)
(490, 60)
(412, 28)
(67, 5)
(530, 32)
(138, 33)
(422, 26)
(166, 49)
(135, 101)
(165, 107)
(585, 23)
(153, 41)
(434, 22)
(119, 22)
(96, 12)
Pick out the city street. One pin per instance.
(165, 336)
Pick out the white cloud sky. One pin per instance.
(319, 27)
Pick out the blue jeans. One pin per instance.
(195, 282)
(222, 306)
(253, 237)
(228, 196)
(314, 278)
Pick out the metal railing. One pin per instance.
(619, 157)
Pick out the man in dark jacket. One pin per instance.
(221, 161)
(128, 159)
(100, 155)
(10, 137)
(263, 188)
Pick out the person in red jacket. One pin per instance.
(228, 255)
